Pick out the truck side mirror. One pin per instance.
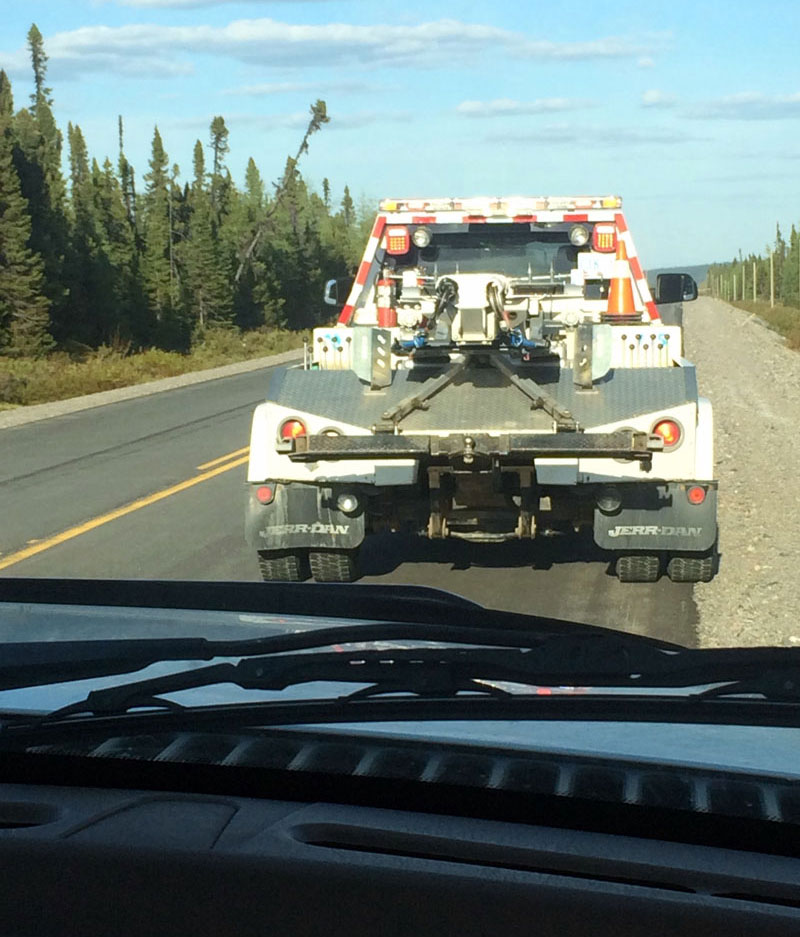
(337, 291)
(331, 294)
(675, 288)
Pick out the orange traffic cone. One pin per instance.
(620, 293)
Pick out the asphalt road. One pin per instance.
(153, 488)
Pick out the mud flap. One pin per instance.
(298, 517)
(659, 517)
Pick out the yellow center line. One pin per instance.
(222, 458)
(95, 522)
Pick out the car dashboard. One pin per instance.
(307, 831)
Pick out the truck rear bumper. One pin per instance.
(467, 448)
(659, 517)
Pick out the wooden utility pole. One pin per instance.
(744, 279)
(734, 287)
(771, 279)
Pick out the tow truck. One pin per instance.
(499, 371)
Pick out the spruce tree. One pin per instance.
(129, 321)
(94, 314)
(78, 275)
(126, 177)
(39, 63)
(157, 269)
(348, 209)
(207, 288)
(291, 252)
(24, 309)
(37, 158)
(779, 258)
(347, 234)
(254, 190)
(252, 307)
(219, 147)
(789, 293)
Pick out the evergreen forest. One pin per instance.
(90, 258)
(773, 275)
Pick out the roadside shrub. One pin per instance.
(79, 371)
(783, 319)
(13, 388)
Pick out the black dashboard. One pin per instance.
(98, 840)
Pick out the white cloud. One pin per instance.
(291, 120)
(271, 87)
(748, 105)
(656, 98)
(15, 63)
(646, 61)
(149, 49)
(502, 107)
(601, 137)
(633, 136)
(266, 89)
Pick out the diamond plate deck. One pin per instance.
(482, 399)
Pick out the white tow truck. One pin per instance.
(499, 371)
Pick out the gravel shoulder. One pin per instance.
(753, 382)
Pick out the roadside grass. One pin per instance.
(26, 381)
(783, 319)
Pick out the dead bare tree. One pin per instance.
(319, 116)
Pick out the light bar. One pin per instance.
(513, 206)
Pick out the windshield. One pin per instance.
(305, 295)
(515, 250)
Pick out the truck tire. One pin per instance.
(638, 568)
(283, 565)
(691, 568)
(334, 565)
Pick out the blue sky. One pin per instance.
(689, 110)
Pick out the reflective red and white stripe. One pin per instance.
(363, 271)
(369, 269)
(637, 273)
(461, 217)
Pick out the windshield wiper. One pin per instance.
(41, 662)
(445, 672)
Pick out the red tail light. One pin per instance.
(696, 494)
(669, 431)
(291, 429)
(265, 493)
(398, 240)
(604, 238)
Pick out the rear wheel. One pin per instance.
(334, 565)
(691, 568)
(283, 565)
(638, 568)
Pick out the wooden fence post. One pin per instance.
(771, 279)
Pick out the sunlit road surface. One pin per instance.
(153, 488)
